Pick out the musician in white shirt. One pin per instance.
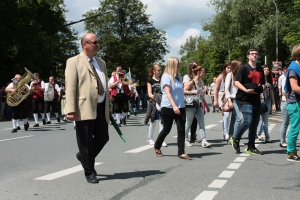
(51, 97)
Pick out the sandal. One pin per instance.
(158, 152)
(185, 157)
(260, 138)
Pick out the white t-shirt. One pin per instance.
(233, 89)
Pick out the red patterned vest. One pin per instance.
(38, 93)
(114, 90)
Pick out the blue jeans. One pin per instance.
(144, 101)
(263, 124)
(285, 121)
(152, 126)
(137, 102)
(236, 118)
(190, 113)
(251, 116)
(225, 122)
(294, 113)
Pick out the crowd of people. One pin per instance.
(242, 93)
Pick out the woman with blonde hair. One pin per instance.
(172, 107)
(154, 92)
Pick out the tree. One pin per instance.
(134, 44)
(28, 29)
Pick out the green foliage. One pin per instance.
(242, 24)
(27, 29)
(136, 44)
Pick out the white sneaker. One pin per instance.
(205, 144)
(187, 143)
(150, 141)
(164, 144)
(226, 137)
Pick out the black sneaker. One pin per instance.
(293, 157)
(18, 128)
(254, 151)
(14, 130)
(235, 145)
(44, 121)
(36, 125)
(58, 119)
(135, 113)
(124, 121)
(48, 122)
(26, 126)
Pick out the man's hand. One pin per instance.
(71, 116)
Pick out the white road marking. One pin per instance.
(234, 166)
(16, 138)
(62, 173)
(206, 195)
(271, 126)
(240, 159)
(226, 174)
(221, 121)
(217, 184)
(140, 149)
(7, 129)
(210, 126)
(244, 154)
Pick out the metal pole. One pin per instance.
(276, 30)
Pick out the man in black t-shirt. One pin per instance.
(250, 82)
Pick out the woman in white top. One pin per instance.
(218, 95)
(195, 86)
(230, 92)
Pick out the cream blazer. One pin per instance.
(81, 88)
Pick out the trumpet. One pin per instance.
(123, 78)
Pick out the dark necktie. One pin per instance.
(99, 83)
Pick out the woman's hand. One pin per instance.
(195, 92)
(176, 110)
(274, 107)
(250, 91)
(230, 105)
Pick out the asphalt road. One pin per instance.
(41, 164)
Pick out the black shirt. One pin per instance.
(155, 85)
(248, 75)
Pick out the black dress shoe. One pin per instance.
(26, 126)
(78, 156)
(18, 128)
(92, 178)
(14, 130)
(44, 121)
(124, 121)
(36, 125)
(48, 122)
(58, 119)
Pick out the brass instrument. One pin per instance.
(22, 91)
(123, 79)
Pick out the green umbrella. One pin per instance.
(113, 122)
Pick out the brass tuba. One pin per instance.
(124, 79)
(22, 91)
